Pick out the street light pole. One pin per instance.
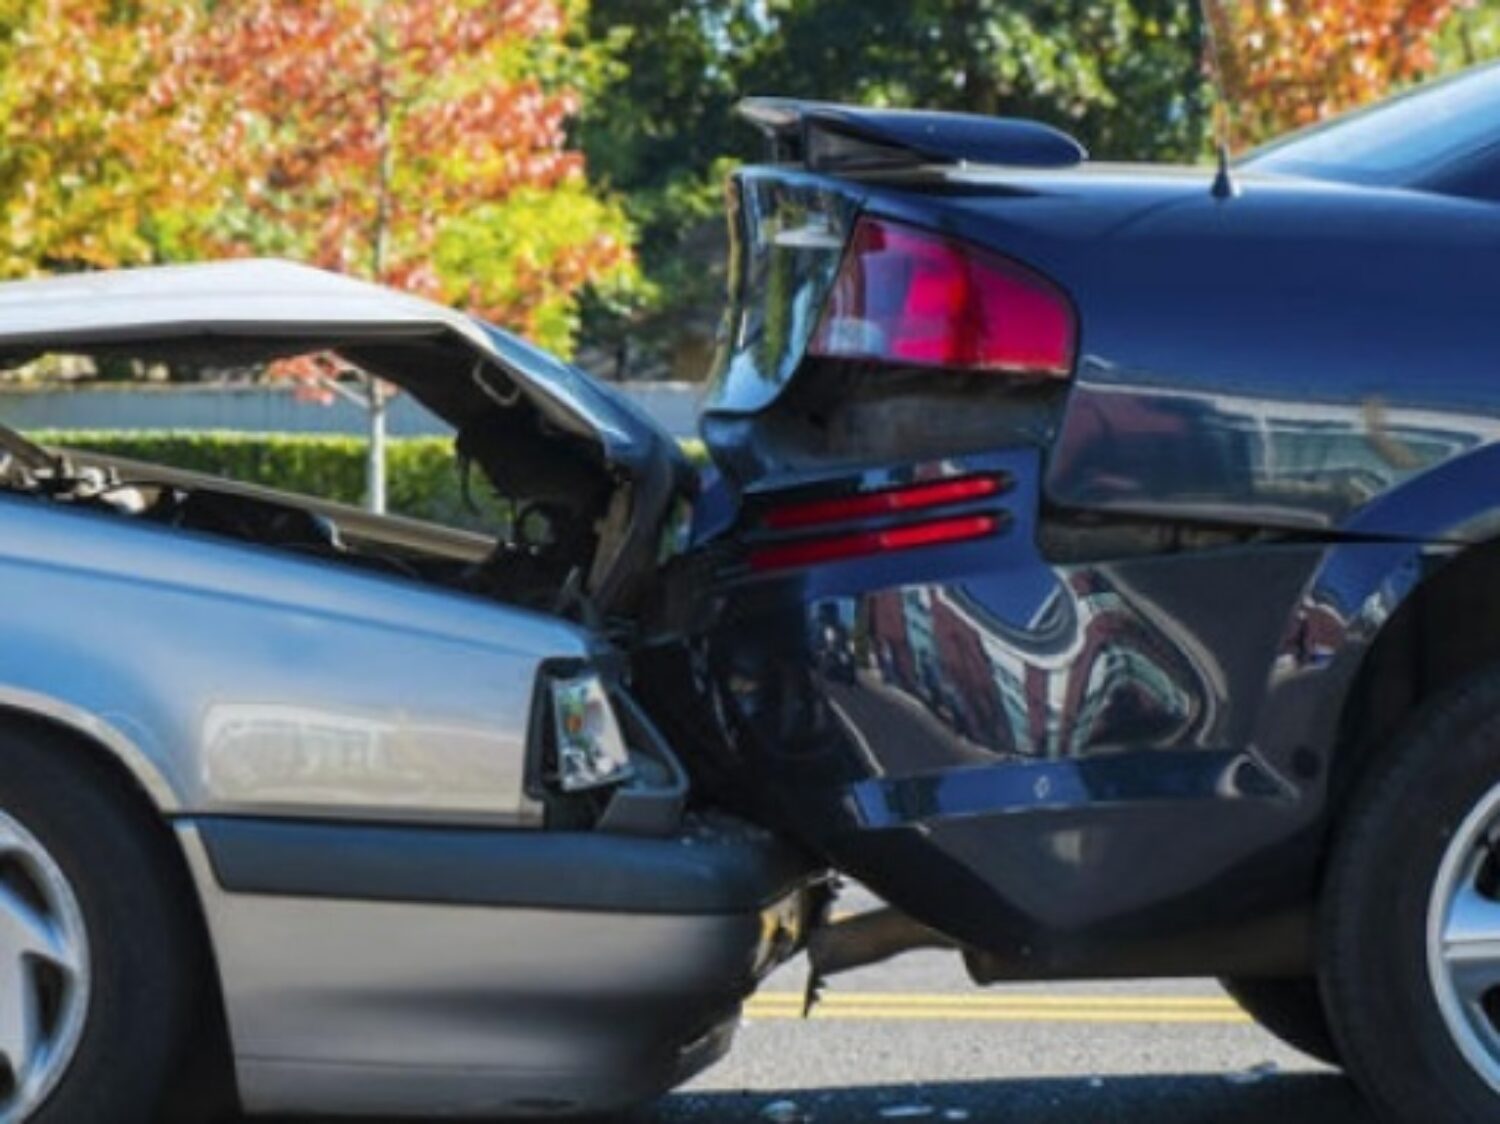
(375, 497)
(375, 492)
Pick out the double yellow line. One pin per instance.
(1023, 1007)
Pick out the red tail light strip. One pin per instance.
(843, 509)
(935, 532)
(914, 297)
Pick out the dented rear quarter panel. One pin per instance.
(1122, 763)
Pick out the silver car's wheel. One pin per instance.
(44, 972)
(1463, 938)
(104, 976)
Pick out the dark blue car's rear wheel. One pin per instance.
(1411, 930)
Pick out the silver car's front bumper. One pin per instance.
(447, 972)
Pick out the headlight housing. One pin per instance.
(591, 749)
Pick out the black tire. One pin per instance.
(1290, 1009)
(145, 957)
(1376, 984)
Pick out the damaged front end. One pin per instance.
(584, 486)
(358, 722)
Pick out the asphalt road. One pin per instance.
(912, 1040)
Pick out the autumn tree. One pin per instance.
(420, 143)
(1288, 63)
(87, 178)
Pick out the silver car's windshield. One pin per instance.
(1398, 142)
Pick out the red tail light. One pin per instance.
(888, 502)
(910, 296)
(933, 533)
(908, 499)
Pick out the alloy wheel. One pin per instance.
(1463, 938)
(44, 972)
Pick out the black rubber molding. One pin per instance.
(710, 871)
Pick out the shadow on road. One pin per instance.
(1287, 1099)
(1311, 1098)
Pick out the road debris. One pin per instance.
(1254, 1074)
(784, 1112)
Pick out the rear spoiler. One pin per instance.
(841, 138)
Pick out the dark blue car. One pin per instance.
(1108, 562)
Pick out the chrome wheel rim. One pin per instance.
(44, 972)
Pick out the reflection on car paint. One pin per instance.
(791, 235)
(265, 755)
(925, 712)
(1083, 671)
(1140, 444)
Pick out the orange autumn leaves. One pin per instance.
(1289, 63)
(421, 142)
(426, 142)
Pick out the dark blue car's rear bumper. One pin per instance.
(1078, 767)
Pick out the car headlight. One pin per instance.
(591, 750)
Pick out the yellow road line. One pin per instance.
(1009, 999)
(1014, 1015)
(1103, 1009)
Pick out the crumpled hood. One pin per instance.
(580, 443)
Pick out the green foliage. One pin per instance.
(1124, 75)
(523, 255)
(660, 130)
(663, 115)
(422, 472)
(1471, 36)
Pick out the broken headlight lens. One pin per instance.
(591, 750)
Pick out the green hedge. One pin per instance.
(421, 472)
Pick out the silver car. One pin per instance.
(350, 814)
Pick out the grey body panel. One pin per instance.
(237, 679)
(349, 1006)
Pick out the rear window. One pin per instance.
(1398, 142)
